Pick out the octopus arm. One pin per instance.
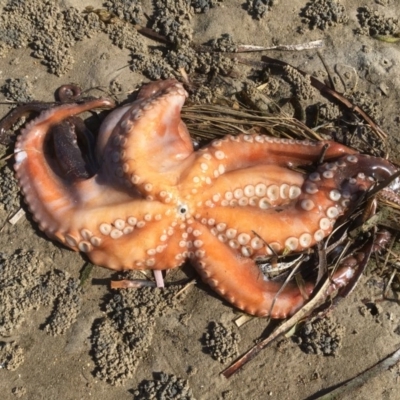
(106, 129)
(150, 140)
(240, 153)
(271, 183)
(146, 242)
(44, 190)
(248, 150)
(254, 232)
(240, 282)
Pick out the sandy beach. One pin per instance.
(68, 337)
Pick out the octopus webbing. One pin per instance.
(155, 202)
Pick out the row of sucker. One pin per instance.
(87, 240)
(209, 166)
(255, 195)
(269, 139)
(212, 163)
(249, 244)
(119, 142)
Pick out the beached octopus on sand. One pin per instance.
(154, 201)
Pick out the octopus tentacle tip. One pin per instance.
(155, 201)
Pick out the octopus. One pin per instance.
(155, 202)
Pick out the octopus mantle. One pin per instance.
(156, 202)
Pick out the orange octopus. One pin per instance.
(155, 201)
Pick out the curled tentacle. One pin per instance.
(16, 114)
(64, 94)
(67, 93)
(44, 190)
